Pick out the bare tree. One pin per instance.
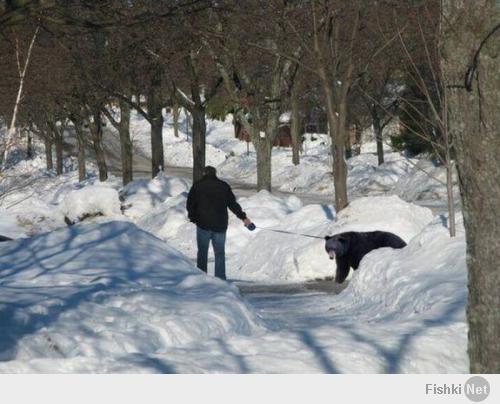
(22, 67)
(253, 79)
(122, 125)
(471, 65)
(202, 89)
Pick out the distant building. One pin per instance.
(283, 139)
(314, 122)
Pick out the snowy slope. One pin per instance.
(109, 293)
(410, 304)
(282, 257)
(33, 198)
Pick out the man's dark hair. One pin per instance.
(210, 171)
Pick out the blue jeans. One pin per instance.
(203, 238)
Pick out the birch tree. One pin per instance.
(22, 62)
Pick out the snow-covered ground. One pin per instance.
(410, 178)
(119, 292)
(109, 297)
(82, 299)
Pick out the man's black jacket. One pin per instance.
(208, 201)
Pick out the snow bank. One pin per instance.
(92, 200)
(107, 296)
(419, 293)
(275, 257)
(178, 150)
(397, 176)
(279, 257)
(168, 220)
(180, 154)
(266, 255)
(142, 195)
(31, 195)
(9, 227)
(366, 177)
(387, 213)
(425, 182)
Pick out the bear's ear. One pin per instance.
(343, 239)
(328, 237)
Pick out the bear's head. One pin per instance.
(336, 245)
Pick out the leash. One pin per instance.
(290, 232)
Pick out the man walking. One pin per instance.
(207, 204)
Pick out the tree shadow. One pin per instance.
(393, 356)
(321, 356)
(157, 365)
(328, 212)
(240, 361)
(39, 281)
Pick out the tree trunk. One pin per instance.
(339, 174)
(96, 129)
(58, 136)
(157, 157)
(10, 136)
(264, 145)
(295, 128)
(29, 145)
(155, 105)
(450, 199)
(80, 137)
(48, 152)
(175, 116)
(475, 125)
(199, 141)
(264, 152)
(188, 122)
(377, 128)
(337, 129)
(339, 161)
(359, 134)
(125, 143)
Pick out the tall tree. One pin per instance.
(472, 65)
(22, 62)
(199, 79)
(255, 80)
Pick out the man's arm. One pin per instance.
(234, 206)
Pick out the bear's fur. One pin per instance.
(349, 248)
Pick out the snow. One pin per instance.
(92, 200)
(121, 293)
(32, 196)
(9, 227)
(283, 257)
(99, 305)
(285, 117)
(413, 302)
(178, 150)
(413, 179)
(425, 182)
(142, 195)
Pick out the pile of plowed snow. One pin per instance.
(109, 292)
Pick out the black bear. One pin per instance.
(349, 248)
